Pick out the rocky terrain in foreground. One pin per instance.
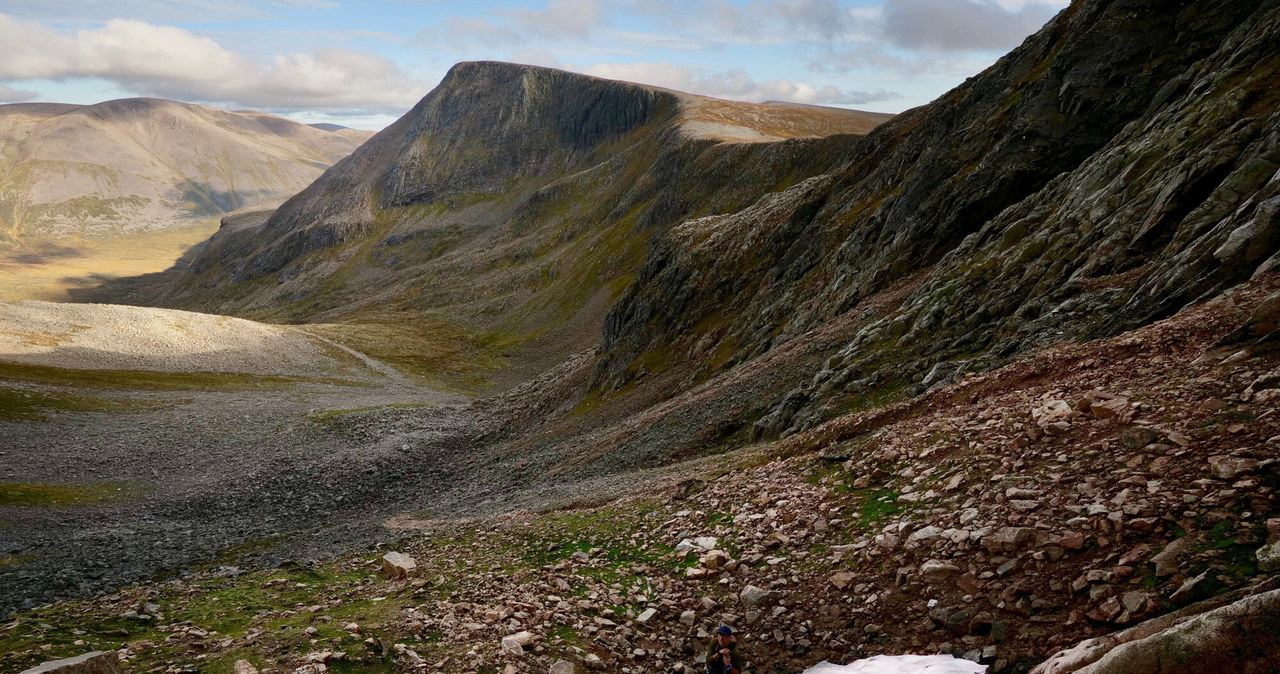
(1078, 490)
(996, 377)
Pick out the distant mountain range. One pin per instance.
(148, 164)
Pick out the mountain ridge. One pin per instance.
(146, 164)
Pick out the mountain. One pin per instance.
(146, 164)
(517, 200)
(771, 270)
(347, 132)
(1116, 167)
(992, 377)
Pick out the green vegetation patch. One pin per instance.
(20, 405)
(43, 495)
(155, 381)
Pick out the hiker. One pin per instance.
(722, 653)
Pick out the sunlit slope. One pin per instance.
(146, 164)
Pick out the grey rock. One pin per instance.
(1269, 557)
(97, 662)
(1237, 637)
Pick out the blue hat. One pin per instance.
(724, 629)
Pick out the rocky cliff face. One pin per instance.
(1118, 165)
(146, 164)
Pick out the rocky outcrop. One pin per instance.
(98, 662)
(1240, 636)
(1118, 165)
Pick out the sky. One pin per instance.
(364, 63)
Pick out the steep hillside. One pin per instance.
(517, 200)
(1117, 166)
(145, 164)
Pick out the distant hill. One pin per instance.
(147, 164)
(345, 131)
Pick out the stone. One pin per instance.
(97, 662)
(1231, 468)
(1107, 611)
(751, 596)
(842, 579)
(1236, 637)
(1212, 405)
(706, 542)
(1192, 589)
(1051, 411)
(244, 667)
(1072, 541)
(646, 615)
(925, 536)
(1109, 410)
(512, 647)
(689, 617)
(935, 571)
(1168, 561)
(1009, 539)
(1135, 602)
(1137, 437)
(562, 667)
(714, 559)
(1269, 557)
(1137, 553)
(397, 565)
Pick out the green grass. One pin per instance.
(40, 494)
(155, 381)
(20, 405)
(880, 504)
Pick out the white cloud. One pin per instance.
(734, 84)
(10, 95)
(174, 63)
(963, 25)
(782, 22)
(87, 12)
(560, 19)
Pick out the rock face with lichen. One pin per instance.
(1120, 164)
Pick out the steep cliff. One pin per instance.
(1118, 165)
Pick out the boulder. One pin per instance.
(512, 646)
(97, 662)
(1269, 557)
(714, 559)
(1167, 562)
(244, 667)
(562, 667)
(398, 565)
(1239, 634)
(752, 596)
(935, 571)
(1009, 539)
(1230, 467)
(1114, 408)
(842, 578)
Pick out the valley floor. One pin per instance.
(1082, 488)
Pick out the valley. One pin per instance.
(994, 377)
